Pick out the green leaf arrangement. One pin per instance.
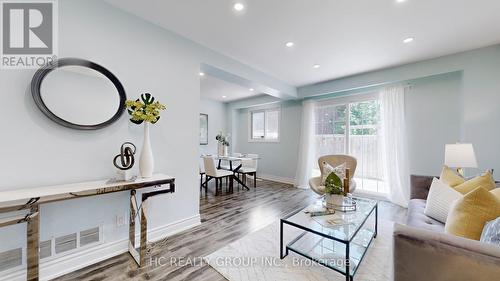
(222, 139)
(334, 185)
(145, 109)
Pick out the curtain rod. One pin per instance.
(407, 83)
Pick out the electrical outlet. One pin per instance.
(122, 220)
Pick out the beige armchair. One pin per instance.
(334, 160)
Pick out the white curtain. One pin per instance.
(307, 146)
(394, 145)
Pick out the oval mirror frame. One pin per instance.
(40, 75)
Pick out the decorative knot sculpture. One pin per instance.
(126, 157)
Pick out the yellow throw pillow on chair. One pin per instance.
(469, 214)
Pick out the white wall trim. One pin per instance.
(54, 268)
(276, 178)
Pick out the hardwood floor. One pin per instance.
(224, 219)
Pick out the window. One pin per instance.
(351, 126)
(265, 125)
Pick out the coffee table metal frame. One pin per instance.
(348, 275)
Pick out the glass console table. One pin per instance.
(338, 241)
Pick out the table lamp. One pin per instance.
(460, 155)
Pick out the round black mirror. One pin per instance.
(78, 94)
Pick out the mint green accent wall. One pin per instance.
(277, 159)
(216, 123)
(433, 114)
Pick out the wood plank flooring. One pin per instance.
(224, 219)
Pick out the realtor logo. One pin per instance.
(28, 33)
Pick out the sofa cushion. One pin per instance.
(417, 218)
(491, 232)
(469, 214)
(496, 192)
(441, 197)
(485, 181)
(449, 177)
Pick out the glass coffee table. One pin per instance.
(338, 241)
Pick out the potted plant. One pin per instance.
(334, 191)
(145, 110)
(223, 144)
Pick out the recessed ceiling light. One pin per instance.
(408, 40)
(224, 97)
(251, 89)
(202, 74)
(239, 7)
(400, 1)
(289, 44)
(316, 66)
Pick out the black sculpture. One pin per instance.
(126, 156)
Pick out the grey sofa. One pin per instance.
(422, 251)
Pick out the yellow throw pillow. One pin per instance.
(450, 177)
(469, 214)
(485, 181)
(496, 192)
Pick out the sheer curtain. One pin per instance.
(394, 145)
(307, 148)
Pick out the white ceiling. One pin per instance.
(214, 89)
(345, 37)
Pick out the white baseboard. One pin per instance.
(277, 178)
(65, 264)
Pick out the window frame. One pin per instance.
(348, 101)
(250, 125)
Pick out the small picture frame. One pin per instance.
(203, 129)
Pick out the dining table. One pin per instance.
(234, 164)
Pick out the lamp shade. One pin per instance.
(460, 155)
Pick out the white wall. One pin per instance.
(217, 119)
(37, 152)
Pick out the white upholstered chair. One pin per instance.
(201, 170)
(211, 172)
(249, 167)
(334, 160)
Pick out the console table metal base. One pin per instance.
(32, 219)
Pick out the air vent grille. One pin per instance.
(11, 258)
(89, 236)
(14, 258)
(65, 243)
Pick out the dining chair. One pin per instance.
(249, 167)
(211, 172)
(201, 170)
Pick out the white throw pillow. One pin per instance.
(328, 169)
(440, 199)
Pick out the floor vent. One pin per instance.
(65, 243)
(11, 258)
(14, 258)
(45, 249)
(89, 236)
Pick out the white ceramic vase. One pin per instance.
(220, 149)
(226, 150)
(146, 162)
(334, 200)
